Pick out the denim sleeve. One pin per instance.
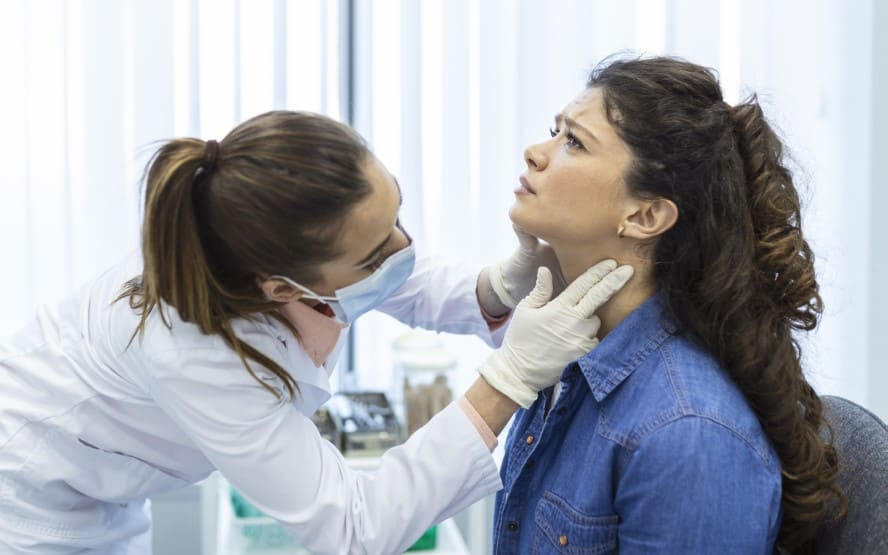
(694, 486)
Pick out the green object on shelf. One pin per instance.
(262, 535)
(429, 540)
(242, 507)
(258, 535)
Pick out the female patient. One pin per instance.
(691, 428)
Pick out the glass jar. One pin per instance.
(421, 384)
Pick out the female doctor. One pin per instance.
(210, 349)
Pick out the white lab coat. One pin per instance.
(90, 428)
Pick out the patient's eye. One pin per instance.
(570, 139)
(573, 142)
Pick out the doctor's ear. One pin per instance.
(279, 290)
(651, 219)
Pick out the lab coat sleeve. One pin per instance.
(442, 298)
(273, 455)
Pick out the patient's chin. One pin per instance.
(520, 217)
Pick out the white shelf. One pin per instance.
(222, 531)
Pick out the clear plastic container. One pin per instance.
(421, 383)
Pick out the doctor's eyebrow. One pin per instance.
(559, 118)
(382, 245)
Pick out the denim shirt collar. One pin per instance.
(626, 346)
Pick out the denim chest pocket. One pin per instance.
(562, 529)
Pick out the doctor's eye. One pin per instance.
(377, 261)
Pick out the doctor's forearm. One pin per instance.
(494, 408)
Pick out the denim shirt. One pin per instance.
(650, 447)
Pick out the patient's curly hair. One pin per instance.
(735, 269)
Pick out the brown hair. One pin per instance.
(735, 270)
(265, 200)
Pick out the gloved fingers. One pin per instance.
(590, 345)
(527, 241)
(542, 291)
(582, 332)
(580, 286)
(591, 325)
(602, 291)
(502, 377)
(497, 282)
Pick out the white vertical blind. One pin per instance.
(489, 75)
(480, 80)
(15, 239)
(449, 93)
(91, 86)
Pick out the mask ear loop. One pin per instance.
(323, 298)
(308, 292)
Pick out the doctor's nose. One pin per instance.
(535, 158)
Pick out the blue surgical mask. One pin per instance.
(361, 297)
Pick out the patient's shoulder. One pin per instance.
(678, 380)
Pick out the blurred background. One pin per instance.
(448, 94)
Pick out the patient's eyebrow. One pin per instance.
(561, 118)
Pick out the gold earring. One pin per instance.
(620, 231)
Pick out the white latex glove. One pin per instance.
(545, 336)
(513, 278)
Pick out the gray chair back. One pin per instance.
(861, 440)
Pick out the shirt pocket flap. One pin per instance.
(566, 530)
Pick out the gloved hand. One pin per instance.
(545, 336)
(513, 278)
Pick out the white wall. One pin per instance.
(478, 81)
(450, 92)
(877, 259)
(91, 86)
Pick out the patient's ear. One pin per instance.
(651, 219)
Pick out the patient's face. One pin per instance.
(576, 193)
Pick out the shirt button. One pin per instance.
(561, 411)
(529, 465)
(513, 526)
(529, 439)
(562, 540)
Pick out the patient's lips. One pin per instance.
(524, 187)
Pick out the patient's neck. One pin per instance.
(630, 297)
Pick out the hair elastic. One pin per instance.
(211, 152)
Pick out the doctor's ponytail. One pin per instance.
(218, 216)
